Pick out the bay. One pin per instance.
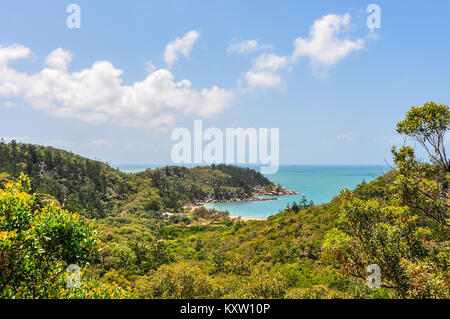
(317, 182)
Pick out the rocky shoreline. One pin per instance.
(259, 191)
(274, 191)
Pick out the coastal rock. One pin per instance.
(274, 191)
(256, 196)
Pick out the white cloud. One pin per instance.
(58, 143)
(96, 94)
(341, 138)
(324, 47)
(265, 71)
(180, 46)
(247, 46)
(59, 59)
(270, 62)
(99, 143)
(262, 79)
(344, 137)
(150, 67)
(13, 52)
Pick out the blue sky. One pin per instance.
(335, 101)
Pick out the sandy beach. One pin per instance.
(246, 219)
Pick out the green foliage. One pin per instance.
(399, 221)
(37, 242)
(181, 280)
(403, 228)
(96, 190)
(315, 292)
(428, 125)
(210, 214)
(262, 284)
(91, 288)
(421, 186)
(303, 204)
(179, 186)
(382, 188)
(89, 187)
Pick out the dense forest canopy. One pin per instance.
(400, 222)
(96, 190)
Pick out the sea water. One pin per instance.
(318, 183)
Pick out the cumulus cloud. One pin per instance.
(265, 71)
(96, 94)
(13, 52)
(262, 79)
(59, 59)
(270, 61)
(324, 47)
(180, 46)
(246, 46)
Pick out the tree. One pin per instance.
(394, 238)
(405, 234)
(422, 187)
(37, 243)
(428, 125)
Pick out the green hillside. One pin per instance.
(96, 190)
(399, 222)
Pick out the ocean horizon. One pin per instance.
(318, 183)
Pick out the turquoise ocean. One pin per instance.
(318, 183)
